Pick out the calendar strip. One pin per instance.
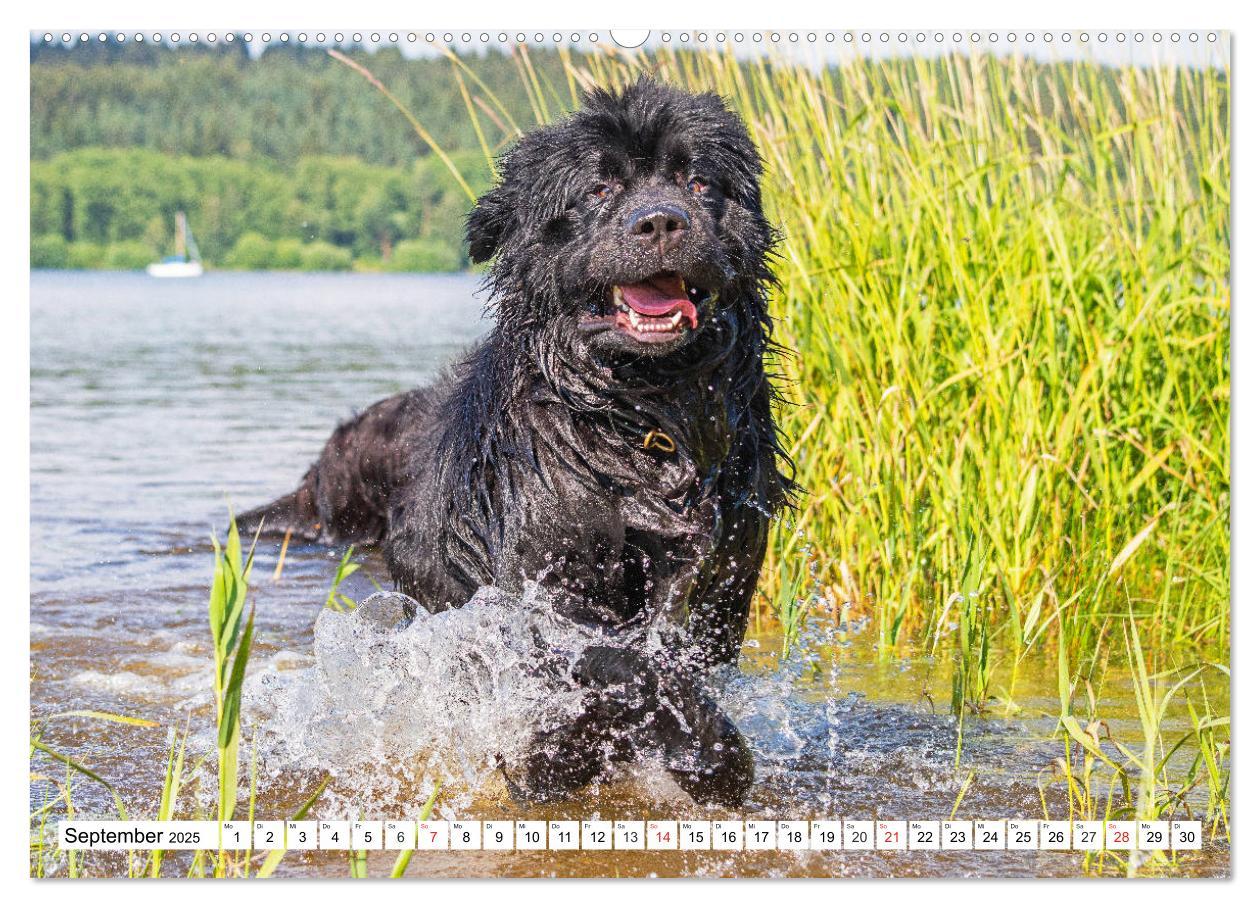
(636, 835)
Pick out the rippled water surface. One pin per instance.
(155, 403)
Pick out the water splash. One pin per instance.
(391, 708)
(451, 695)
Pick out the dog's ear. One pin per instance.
(488, 224)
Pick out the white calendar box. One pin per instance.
(334, 835)
(1021, 835)
(496, 835)
(990, 835)
(233, 835)
(1056, 835)
(1152, 835)
(433, 835)
(1186, 835)
(859, 835)
(759, 835)
(826, 835)
(531, 835)
(299, 835)
(695, 835)
(956, 835)
(562, 835)
(924, 835)
(1121, 835)
(662, 835)
(728, 835)
(597, 835)
(629, 835)
(269, 835)
(400, 835)
(890, 835)
(466, 835)
(793, 834)
(1087, 835)
(367, 835)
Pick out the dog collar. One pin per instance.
(656, 440)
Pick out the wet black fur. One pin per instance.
(525, 462)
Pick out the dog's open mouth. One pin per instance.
(658, 309)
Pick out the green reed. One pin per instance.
(336, 599)
(232, 634)
(1140, 783)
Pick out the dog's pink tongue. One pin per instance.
(659, 296)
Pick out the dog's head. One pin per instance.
(631, 224)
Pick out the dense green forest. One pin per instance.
(291, 159)
(287, 160)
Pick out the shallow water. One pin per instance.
(154, 403)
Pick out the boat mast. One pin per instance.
(190, 242)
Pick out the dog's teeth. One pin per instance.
(673, 322)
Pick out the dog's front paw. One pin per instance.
(624, 683)
(715, 765)
(559, 762)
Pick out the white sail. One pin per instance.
(186, 262)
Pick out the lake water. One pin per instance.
(156, 403)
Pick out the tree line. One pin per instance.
(115, 208)
(286, 160)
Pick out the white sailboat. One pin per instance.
(186, 262)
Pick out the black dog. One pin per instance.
(612, 438)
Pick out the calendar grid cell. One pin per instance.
(629, 835)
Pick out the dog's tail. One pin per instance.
(294, 514)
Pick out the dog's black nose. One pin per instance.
(661, 225)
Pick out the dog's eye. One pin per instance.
(697, 186)
(602, 191)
